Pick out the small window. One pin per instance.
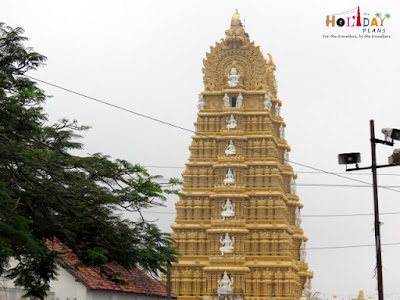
(233, 101)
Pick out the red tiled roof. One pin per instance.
(138, 282)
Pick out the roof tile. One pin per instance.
(138, 282)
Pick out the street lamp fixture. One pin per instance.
(391, 134)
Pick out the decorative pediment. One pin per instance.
(236, 51)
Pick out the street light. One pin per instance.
(391, 134)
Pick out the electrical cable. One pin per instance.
(192, 131)
(302, 216)
(254, 184)
(317, 248)
(298, 172)
(348, 246)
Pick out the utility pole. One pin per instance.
(376, 212)
(391, 134)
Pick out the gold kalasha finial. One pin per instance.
(235, 23)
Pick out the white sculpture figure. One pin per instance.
(230, 150)
(225, 285)
(297, 220)
(267, 102)
(277, 110)
(226, 100)
(286, 157)
(230, 177)
(276, 84)
(303, 251)
(239, 101)
(201, 103)
(233, 77)
(231, 123)
(228, 209)
(293, 186)
(227, 244)
(307, 289)
(282, 132)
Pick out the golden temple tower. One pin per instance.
(238, 221)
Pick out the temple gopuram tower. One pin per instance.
(238, 220)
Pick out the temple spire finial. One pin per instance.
(236, 23)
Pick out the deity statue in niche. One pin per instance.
(286, 157)
(201, 103)
(239, 101)
(231, 123)
(225, 285)
(277, 110)
(307, 288)
(227, 244)
(233, 77)
(293, 186)
(297, 220)
(230, 177)
(230, 150)
(228, 209)
(303, 251)
(281, 132)
(226, 100)
(267, 102)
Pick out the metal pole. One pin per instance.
(376, 211)
(168, 280)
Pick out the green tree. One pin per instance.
(47, 193)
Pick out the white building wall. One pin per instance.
(99, 295)
(66, 287)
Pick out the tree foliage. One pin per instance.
(47, 193)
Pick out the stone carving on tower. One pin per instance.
(231, 123)
(277, 109)
(267, 102)
(225, 285)
(226, 100)
(228, 209)
(239, 100)
(227, 244)
(238, 218)
(233, 78)
(230, 177)
(201, 103)
(230, 150)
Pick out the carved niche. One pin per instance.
(236, 51)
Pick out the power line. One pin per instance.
(298, 172)
(350, 246)
(326, 248)
(192, 131)
(110, 104)
(302, 216)
(253, 184)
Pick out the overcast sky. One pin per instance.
(147, 56)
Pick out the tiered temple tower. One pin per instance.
(238, 221)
